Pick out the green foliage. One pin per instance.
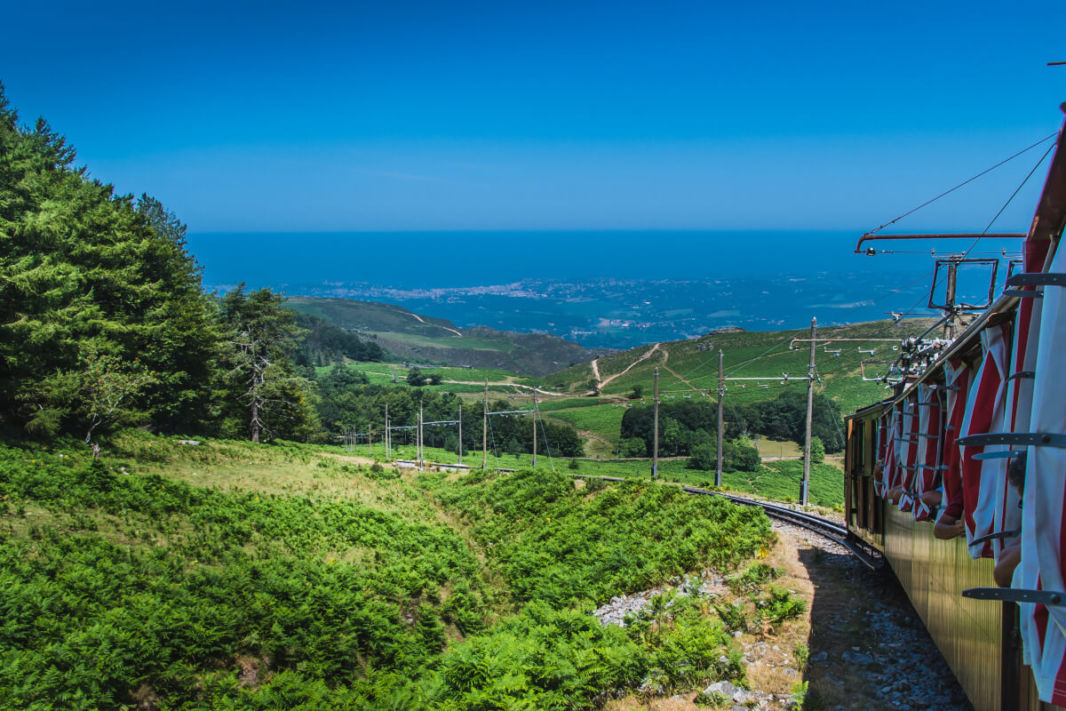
(798, 697)
(704, 457)
(125, 589)
(737, 455)
(752, 578)
(633, 447)
(261, 337)
(682, 425)
(323, 343)
(740, 455)
(785, 416)
(817, 450)
(83, 268)
(561, 546)
(181, 581)
(779, 605)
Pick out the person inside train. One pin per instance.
(1011, 554)
(950, 524)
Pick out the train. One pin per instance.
(958, 476)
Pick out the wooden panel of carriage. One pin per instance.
(978, 638)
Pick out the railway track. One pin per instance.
(867, 554)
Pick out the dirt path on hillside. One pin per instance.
(596, 370)
(531, 388)
(422, 320)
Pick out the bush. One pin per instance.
(817, 450)
(632, 447)
(705, 457)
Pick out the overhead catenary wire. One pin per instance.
(1010, 199)
(964, 183)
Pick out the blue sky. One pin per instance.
(496, 115)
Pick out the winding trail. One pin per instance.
(446, 328)
(537, 390)
(647, 354)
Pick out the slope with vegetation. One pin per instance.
(339, 586)
(423, 339)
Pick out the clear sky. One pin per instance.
(541, 115)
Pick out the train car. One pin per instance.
(959, 478)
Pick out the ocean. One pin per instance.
(604, 288)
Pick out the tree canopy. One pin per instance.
(82, 271)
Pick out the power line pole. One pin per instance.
(388, 435)
(420, 452)
(655, 432)
(460, 433)
(949, 301)
(534, 428)
(721, 411)
(485, 430)
(810, 411)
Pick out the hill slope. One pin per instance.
(424, 339)
(689, 368)
(239, 576)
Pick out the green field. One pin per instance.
(776, 480)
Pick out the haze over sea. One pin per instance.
(606, 288)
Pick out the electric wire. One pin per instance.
(962, 184)
(1011, 198)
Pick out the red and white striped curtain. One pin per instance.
(930, 425)
(983, 480)
(908, 452)
(1043, 532)
(888, 469)
(957, 383)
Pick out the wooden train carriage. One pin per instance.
(982, 640)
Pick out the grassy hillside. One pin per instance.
(239, 576)
(690, 368)
(423, 339)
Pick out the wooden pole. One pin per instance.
(655, 431)
(949, 301)
(460, 433)
(721, 420)
(419, 444)
(534, 429)
(485, 430)
(810, 412)
(388, 435)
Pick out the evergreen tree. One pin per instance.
(261, 336)
(84, 271)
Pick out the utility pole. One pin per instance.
(460, 432)
(721, 421)
(420, 454)
(534, 428)
(388, 435)
(370, 441)
(810, 411)
(655, 432)
(949, 300)
(485, 430)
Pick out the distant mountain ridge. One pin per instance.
(421, 338)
